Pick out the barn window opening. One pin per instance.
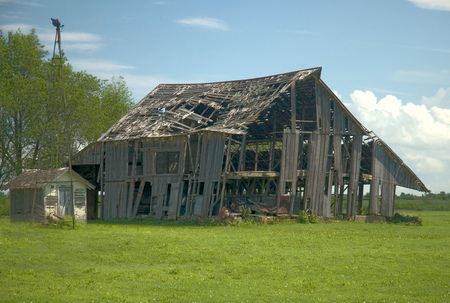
(288, 188)
(201, 188)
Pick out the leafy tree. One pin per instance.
(44, 117)
(22, 92)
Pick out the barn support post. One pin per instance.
(138, 198)
(242, 153)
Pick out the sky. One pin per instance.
(387, 60)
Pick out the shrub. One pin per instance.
(303, 217)
(313, 219)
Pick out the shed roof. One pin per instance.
(38, 178)
(228, 107)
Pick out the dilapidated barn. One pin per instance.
(278, 144)
(37, 194)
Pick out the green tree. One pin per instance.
(22, 92)
(44, 117)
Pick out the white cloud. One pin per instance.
(93, 66)
(139, 85)
(441, 114)
(77, 41)
(441, 77)
(208, 23)
(82, 46)
(442, 97)
(419, 134)
(25, 28)
(80, 37)
(337, 94)
(9, 16)
(384, 91)
(443, 5)
(28, 3)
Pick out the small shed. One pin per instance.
(39, 193)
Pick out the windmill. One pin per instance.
(57, 24)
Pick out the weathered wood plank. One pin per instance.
(355, 166)
(173, 203)
(138, 199)
(130, 199)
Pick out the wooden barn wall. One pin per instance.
(211, 162)
(386, 175)
(90, 155)
(27, 205)
(326, 165)
(116, 161)
(211, 158)
(377, 168)
(315, 182)
(130, 165)
(355, 166)
(115, 173)
(289, 166)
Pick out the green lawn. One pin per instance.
(147, 262)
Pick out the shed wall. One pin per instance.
(27, 205)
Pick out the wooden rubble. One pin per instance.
(283, 142)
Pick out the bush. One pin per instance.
(303, 217)
(313, 219)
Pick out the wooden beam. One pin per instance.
(242, 153)
(138, 198)
(224, 176)
(130, 199)
(293, 107)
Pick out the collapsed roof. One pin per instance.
(228, 107)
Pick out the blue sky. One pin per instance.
(388, 60)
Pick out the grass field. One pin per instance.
(144, 261)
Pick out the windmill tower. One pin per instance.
(59, 56)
